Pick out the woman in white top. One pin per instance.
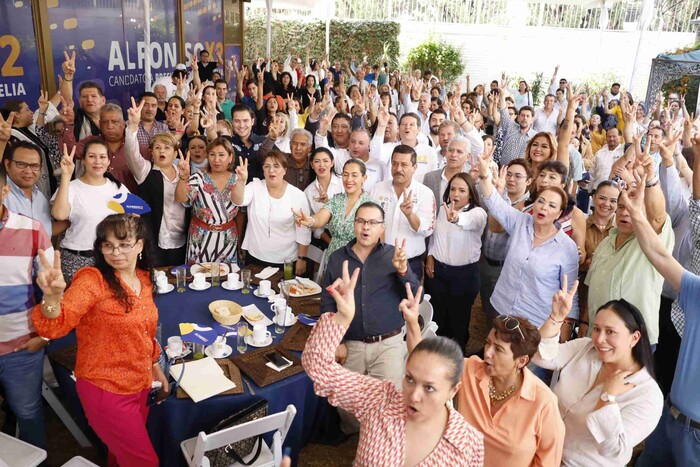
(452, 272)
(522, 96)
(607, 394)
(322, 189)
(272, 236)
(85, 202)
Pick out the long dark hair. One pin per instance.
(634, 321)
(122, 226)
(474, 200)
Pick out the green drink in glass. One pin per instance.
(288, 269)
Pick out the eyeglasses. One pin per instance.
(125, 248)
(23, 165)
(371, 222)
(515, 176)
(511, 324)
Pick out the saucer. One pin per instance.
(257, 293)
(209, 351)
(206, 286)
(290, 321)
(226, 286)
(169, 288)
(249, 340)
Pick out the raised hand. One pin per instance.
(6, 127)
(68, 65)
(343, 292)
(134, 114)
(67, 114)
(407, 204)
(50, 278)
(67, 164)
(301, 218)
(242, 171)
(193, 63)
(43, 101)
(383, 116)
(324, 124)
(409, 305)
(633, 195)
(451, 214)
(183, 165)
(400, 260)
(274, 130)
(206, 122)
(562, 301)
(499, 182)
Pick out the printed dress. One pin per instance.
(341, 227)
(212, 207)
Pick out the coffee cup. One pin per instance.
(265, 287)
(232, 279)
(279, 306)
(175, 345)
(260, 334)
(199, 280)
(161, 283)
(160, 273)
(220, 345)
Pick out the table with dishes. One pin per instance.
(211, 316)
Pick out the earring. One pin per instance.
(140, 256)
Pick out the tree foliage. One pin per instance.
(436, 55)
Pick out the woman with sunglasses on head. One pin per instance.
(607, 394)
(502, 398)
(110, 304)
(412, 426)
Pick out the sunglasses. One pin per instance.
(511, 324)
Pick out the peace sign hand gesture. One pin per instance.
(409, 305)
(301, 218)
(451, 214)
(183, 165)
(6, 127)
(242, 171)
(407, 204)
(50, 278)
(68, 65)
(343, 292)
(400, 261)
(43, 101)
(134, 114)
(562, 301)
(67, 164)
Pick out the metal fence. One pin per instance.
(668, 15)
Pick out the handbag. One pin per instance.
(235, 452)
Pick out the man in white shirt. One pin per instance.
(358, 148)
(408, 132)
(409, 206)
(546, 117)
(605, 158)
(458, 153)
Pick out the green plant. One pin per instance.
(436, 55)
(536, 88)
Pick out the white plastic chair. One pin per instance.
(16, 453)
(316, 255)
(79, 461)
(194, 448)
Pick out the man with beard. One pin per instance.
(515, 134)
(437, 116)
(149, 126)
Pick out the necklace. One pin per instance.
(541, 238)
(499, 397)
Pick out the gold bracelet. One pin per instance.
(51, 310)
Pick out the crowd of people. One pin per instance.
(576, 223)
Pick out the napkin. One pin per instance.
(279, 368)
(306, 319)
(202, 378)
(267, 272)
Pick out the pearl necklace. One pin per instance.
(546, 236)
(499, 397)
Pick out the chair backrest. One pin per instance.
(425, 310)
(316, 255)
(280, 422)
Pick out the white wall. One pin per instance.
(523, 51)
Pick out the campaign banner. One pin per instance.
(19, 63)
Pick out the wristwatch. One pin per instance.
(605, 397)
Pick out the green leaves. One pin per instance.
(437, 55)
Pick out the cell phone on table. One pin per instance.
(276, 359)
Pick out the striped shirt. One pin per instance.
(20, 239)
(514, 141)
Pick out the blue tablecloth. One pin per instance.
(178, 419)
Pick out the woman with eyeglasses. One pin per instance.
(502, 398)
(452, 274)
(339, 212)
(414, 425)
(607, 394)
(213, 229)
(111, 308)
(85, 203)
(272, 237)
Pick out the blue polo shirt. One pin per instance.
(37, 208)
(684, 391)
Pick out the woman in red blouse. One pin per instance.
(412, 427)
(112, 310)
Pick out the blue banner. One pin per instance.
(19, 63)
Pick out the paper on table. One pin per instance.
(252, 310)
(267, 272)
(203, 378)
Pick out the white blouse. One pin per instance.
(311, 192)
(272, 235)
(458, 244)
(607, 436)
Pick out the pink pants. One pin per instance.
(120, 422)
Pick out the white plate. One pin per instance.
(266, 321)
(257, 293)
(238, 286)
(290, 321)
(308, 283)
(249, 341)
(197, 268)
(206, 286)
(168, 289)
(209, 352)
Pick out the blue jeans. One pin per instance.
(21, 374)
(671, 443)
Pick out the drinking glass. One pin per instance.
(215, 273)
(245, 278)
(197, 350)
(241, 334)
(181, 278)
(288, 269)
(280, 318)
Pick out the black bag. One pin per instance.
(235, 452)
